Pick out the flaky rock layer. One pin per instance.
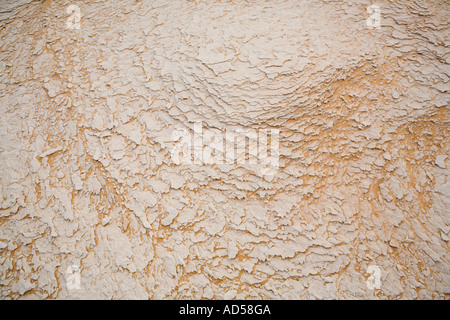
(88, 179)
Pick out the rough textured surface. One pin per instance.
(87, 117)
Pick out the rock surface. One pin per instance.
(87, 117)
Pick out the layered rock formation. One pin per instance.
(88, 111)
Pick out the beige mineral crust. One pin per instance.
(87, 126)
